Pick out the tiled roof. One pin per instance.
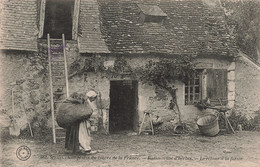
(90, 39)
(18, 25)
(115, 26)
(190, 28)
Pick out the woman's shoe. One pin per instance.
(89, 152)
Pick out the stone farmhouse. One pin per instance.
(102, 34)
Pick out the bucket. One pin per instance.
(178, 129)
(208, 125)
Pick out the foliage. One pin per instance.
(243, 21)
(240, 119)
(164, 72)
(82, 66)
(256, 120)
(121, 67)
(161, 72)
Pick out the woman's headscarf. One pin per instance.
(91, 94)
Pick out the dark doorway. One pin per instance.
(58, 18)
(123, 105)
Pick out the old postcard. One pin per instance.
(130, 83)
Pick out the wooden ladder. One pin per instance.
(58, 75)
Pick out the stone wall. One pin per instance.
(25, 74)
(247, 99)
(150, 98)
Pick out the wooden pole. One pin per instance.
(176, 103)
(226, 122)
(51, 90)
(30, 128)
(230, 126)
(65, 66)
(100, 111)
(12, 101)
(140, 129)
(151, 123)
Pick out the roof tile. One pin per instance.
(189, 28)
(18, 25)
(91, 40)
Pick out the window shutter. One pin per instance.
(217, 86)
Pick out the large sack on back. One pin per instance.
(71, 111)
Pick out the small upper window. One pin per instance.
(151, 13)
(58, 18)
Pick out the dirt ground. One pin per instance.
(240, 149)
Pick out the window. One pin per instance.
(211, 83)
(151, 13)
(193, 90)
(58, 18)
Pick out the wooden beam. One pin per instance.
(42, 17)
(75, 20)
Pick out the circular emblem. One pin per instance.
(23, 153)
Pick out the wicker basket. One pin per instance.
(208, 125)
(69, 113)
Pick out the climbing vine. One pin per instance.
(161, 72)
(164, 72)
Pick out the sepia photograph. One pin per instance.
(152, 83)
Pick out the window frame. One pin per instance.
(188, 94)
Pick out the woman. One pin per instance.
(78, 135)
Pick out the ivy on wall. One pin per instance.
(161, 72)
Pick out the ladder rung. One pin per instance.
(56, 44)
(56, 50)
(59, 93)
(57, 61)
(59, 68)
(57, 53)
(57, 76)
(59, 85)
(58, 127)
(56, 56)
(57, 137)
(54, 39)
(58, 101)
(57, 65)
